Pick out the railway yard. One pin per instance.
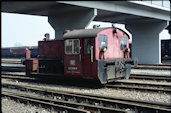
(147, 90)
(86, 57)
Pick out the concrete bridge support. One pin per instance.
(71, 20)
(145, 41)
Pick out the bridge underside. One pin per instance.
(53, 8)
(73, 15)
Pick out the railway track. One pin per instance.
(17, 77)
(11, 61)
(22, 68)
(150, 77)
(124, 107)
(13, 68)
(42, 102)
(145, 87)
(153, 67)
(84, 102)
(132, 76)
(154, 64)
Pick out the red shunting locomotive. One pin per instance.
(101, 54)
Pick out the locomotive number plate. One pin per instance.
(72, 62)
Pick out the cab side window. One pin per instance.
(72, 46)
(102, 41)
(87, 46)
(76, 46)
(68, 46)
(123, 43)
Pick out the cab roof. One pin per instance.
(86, 33)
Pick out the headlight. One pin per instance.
(129, 50)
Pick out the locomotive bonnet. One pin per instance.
(101, 54)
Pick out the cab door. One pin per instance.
(88, 58)
(72, 58)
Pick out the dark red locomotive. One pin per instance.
(101, 54)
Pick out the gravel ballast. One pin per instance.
(121, 93)
(11, 106)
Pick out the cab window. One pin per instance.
(102, 41)
(68, 46)
(72, 46)
(123, 43)
(76, 47)
(87, 46)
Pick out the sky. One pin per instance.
(27, 30)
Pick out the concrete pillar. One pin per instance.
(145, 41)
(71, 20)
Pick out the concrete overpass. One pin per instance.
(144, 21)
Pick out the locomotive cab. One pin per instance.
(101, 54)
(79, 58)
